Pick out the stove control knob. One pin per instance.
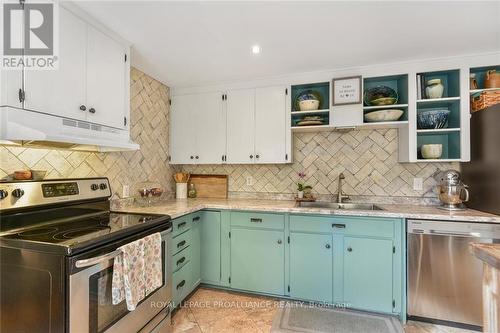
(103, 186)
(17, 193)
(3, 194)
(94, 187)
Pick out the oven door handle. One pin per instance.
(96, 260)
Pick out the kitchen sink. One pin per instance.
(334, 205)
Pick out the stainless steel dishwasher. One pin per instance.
(444, 278)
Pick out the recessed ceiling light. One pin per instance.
(256, 49)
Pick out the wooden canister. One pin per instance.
(492, 79)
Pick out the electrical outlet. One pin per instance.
(418, 184)
(249, 181)
(125, 191)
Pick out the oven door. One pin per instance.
(90, 303)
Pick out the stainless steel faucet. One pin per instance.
(341, 195)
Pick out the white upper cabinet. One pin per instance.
(240, 113)
(243, 126)
(62, 91)
(209, 128)
(182, 141)
(270, 125)
(91, 81)
(106, 86)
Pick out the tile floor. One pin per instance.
(218, 311)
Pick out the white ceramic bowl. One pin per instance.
(309, 105)
(432, 152)
(383, 115)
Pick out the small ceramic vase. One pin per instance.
(300, 194)
(473, 82)
(492, 79)
(434, 89)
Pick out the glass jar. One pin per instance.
(192, 191)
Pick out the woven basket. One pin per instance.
(484, 100)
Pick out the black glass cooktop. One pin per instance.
(72, 228)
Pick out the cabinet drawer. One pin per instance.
(304, 223)
(365, 226)
(181, 224)
(181, 283)
(180, 259)
(181, 242)
(258, 220)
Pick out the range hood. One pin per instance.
(40, 130)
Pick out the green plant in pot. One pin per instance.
(302, 189)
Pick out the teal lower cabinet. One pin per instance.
(196, 226)
(311, 267)
(356, 261)
(258, 260)
(368, 273)
(210, 245)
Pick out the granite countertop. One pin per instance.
(489, 253)
(176, 208)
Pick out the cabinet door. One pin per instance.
(210, 248)
(182, 144)
(61, 92)
(311, 271)
(270, 125)
(257, 260)
(195, 249)
(240, 112)
(11, 81)
(106, 88)
(368, 273)
(209, 128)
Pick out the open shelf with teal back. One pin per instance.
(452, 105)
(323, 89)
(450, 79)
(480, 74)
(449, 140)
(398, 83)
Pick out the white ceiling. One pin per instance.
(195, 43)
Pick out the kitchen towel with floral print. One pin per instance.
(137, 270)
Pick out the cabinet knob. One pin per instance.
(279, 241)
(197, 157)
(192, 157)
(83, 107)
(251, 156)
(257, 156)
(349, 249)
(92, 110)
(327, 246)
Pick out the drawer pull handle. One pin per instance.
(181, 260)
(181, 284)
(349, 249)
(254, 220)
(180, 225)
(335, 225)
(197, 218)
(327, 246)
(181, 244)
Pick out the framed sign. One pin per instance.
(346, 90)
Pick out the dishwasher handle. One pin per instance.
(453, 233)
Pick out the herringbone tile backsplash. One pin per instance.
(149, 128)
(368, 158)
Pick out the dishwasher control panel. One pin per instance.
(454, 228)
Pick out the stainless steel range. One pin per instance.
(58, 239)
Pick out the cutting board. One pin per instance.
(210, 186)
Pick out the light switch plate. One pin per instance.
(418, 184)
(125, 191)
(249, 181)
